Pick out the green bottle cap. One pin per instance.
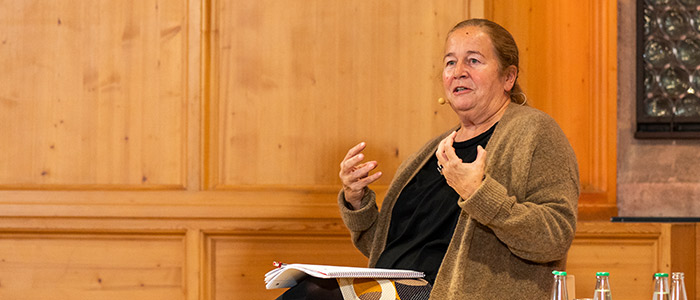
(602, 274)
(660, 274)
(561, 273)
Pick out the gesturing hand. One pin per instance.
(463, 177)
(355, 175)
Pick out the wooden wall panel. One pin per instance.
(91, 266)
(568, 60)
(683, 252)
(221, 255)
(237, 264)
(631, 262)
(632, 253)
(294, 86)
(93, 94)
(191, 143)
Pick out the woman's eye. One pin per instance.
(473, 61)
(450, 63)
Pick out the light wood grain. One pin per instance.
(93, 92)
(238, 263)
(224, 258)
(568, 59)
(183, 145)
(289, 101)
(631, 253)
(91, 266)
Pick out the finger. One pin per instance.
(481, 156)
(361, 183)
(453, 135)
(449, 148)
(363, 169)
(350, 164)
(370, 179)
(439, 153)
(357, 173)
(355, 150)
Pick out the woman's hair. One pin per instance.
(506, 50)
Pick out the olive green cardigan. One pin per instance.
(513, 231)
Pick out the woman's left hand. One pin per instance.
(463, 177)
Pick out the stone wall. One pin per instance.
(654, 177)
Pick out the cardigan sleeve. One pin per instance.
(361, 222)
(539, 226)
(367, 223)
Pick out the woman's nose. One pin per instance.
(460, 71)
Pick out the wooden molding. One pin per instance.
(568, 53)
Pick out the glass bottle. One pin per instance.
(661, 287)
(602, 286)
(559, 288)
(678, 286)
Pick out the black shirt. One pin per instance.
(425, 216)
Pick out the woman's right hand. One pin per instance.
(355, 175)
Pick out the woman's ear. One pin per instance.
(510, 75)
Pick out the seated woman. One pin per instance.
(487, 209)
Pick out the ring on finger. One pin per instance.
(439, 168)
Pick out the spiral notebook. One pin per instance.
(288, 275)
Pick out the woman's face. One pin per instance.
(471, 76)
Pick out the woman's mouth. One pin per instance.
(460, 89)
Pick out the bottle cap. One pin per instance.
(677, 275)
(660, 274)
(602, 274)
